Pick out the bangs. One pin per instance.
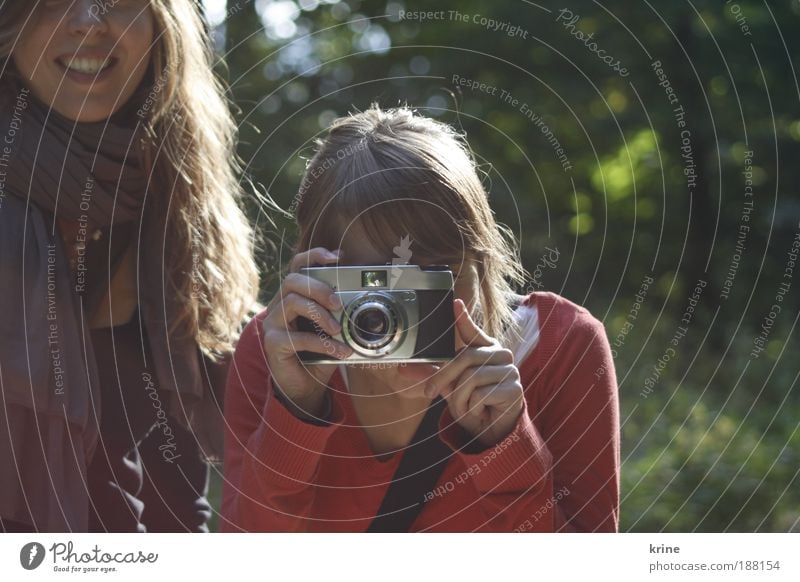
(403, 213)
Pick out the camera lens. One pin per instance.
(372, 325)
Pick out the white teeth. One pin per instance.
(88, 66)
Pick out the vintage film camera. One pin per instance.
(391, 313)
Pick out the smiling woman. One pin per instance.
(126, 265)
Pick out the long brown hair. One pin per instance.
(189, 149)
(397, 173)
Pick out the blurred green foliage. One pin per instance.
(714, 446)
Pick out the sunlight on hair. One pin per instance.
(215, 10)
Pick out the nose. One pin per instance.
(88, 17)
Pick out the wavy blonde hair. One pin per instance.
(400, 174)
(190, 145)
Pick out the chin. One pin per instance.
(406, 380)
(86, 110)
(411, 379)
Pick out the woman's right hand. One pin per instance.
(300, 296)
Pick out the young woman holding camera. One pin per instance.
(518, 432)
(126, 265)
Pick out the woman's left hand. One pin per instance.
(481, 384)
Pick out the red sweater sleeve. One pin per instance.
(513, 478)
(578, 416)
(268, 487)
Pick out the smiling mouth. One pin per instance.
(87, 66)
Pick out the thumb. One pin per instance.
(467, 330)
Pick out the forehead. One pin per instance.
(358, 249)
(395, 231)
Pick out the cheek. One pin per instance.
(137, 41)
(23, 62)
(34, 40)
(467, 288)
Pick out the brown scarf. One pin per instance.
(53, 167)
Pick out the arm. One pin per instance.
(578, 416)
(558, 470)
(489, 428)
(271, 456)
(513, 477)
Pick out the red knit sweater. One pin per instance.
(557, 471)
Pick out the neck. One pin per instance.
(375, 387)
(364, 381)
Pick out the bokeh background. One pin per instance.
(710, 433)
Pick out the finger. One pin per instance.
(467, 329)
(285, 344)
(469, 381)
(441, 382)
(311, 288)
(502, 395)
(293, 306)
(315, 256)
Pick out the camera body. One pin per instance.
(390, 313)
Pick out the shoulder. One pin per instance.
(248, 368)
(249, 352)
(559, 314)
(16, 208)
(251, 337)
(565, 326)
